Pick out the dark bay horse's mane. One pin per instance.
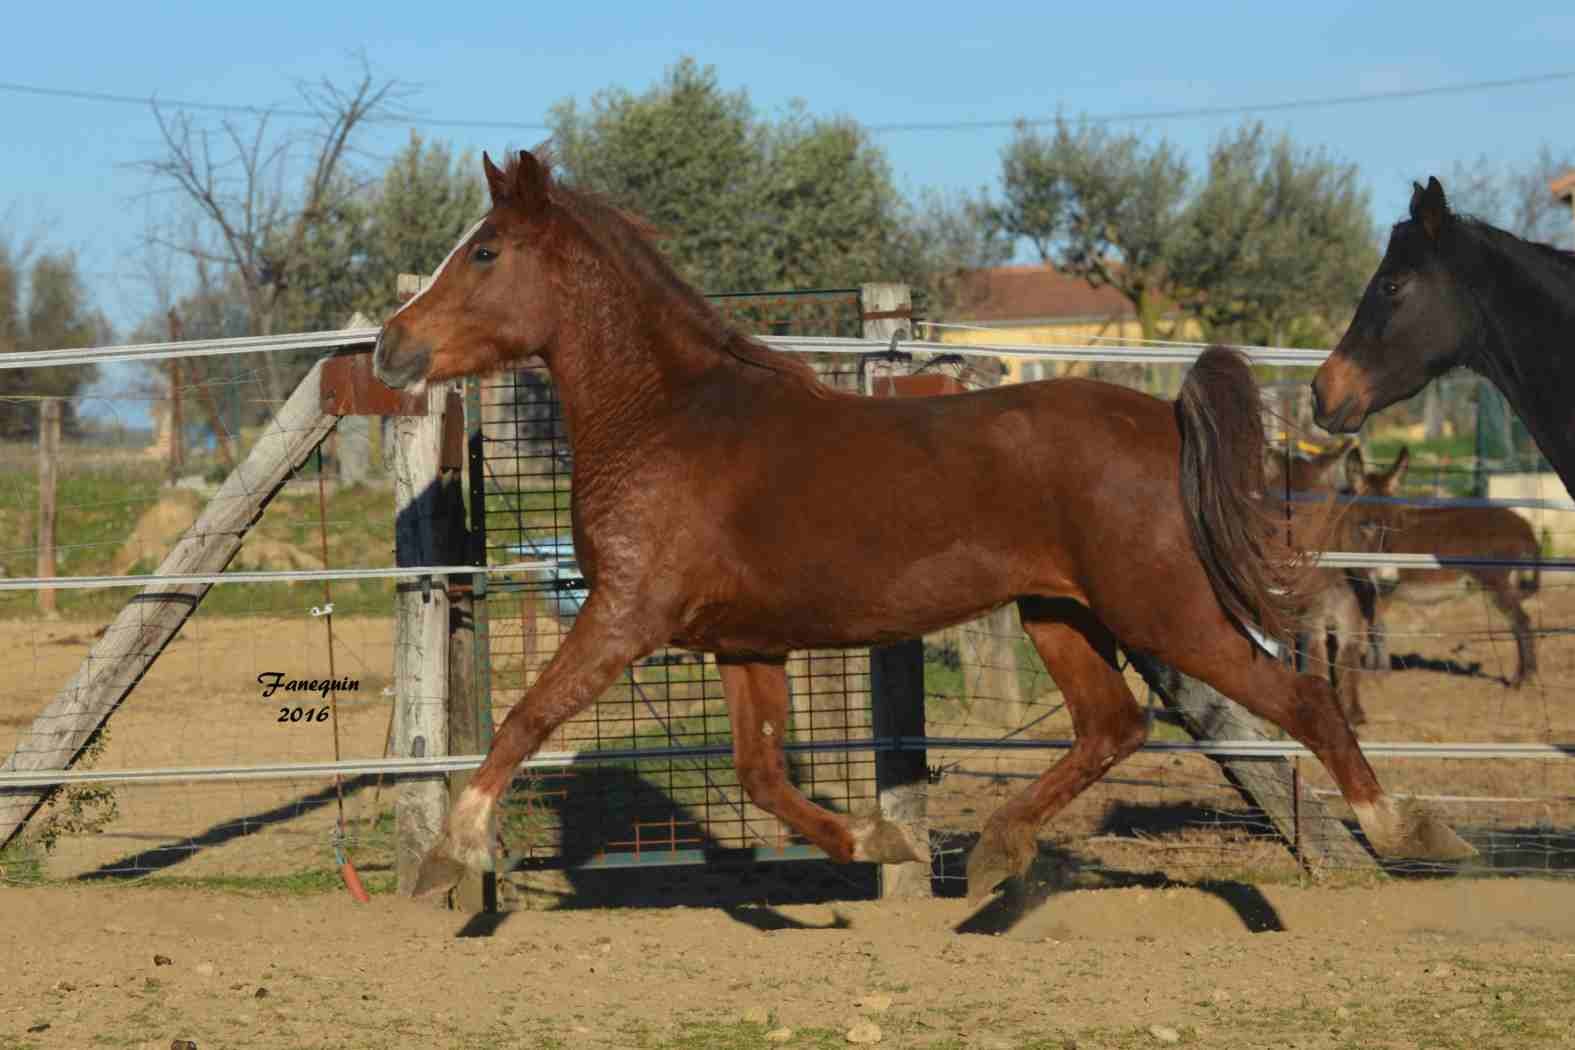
(1526, 275)
(628, 241)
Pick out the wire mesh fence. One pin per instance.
(1161, 815)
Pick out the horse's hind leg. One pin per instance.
(757, 702)
(1305, 707)
(1080, 654)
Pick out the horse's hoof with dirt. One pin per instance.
(879, 841)
(1405, 830)
(999, 855)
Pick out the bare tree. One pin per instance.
(256, 214)
(1514, 195)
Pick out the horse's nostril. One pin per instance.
(398, 361)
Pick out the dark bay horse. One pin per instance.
(1461, 532)
(1455, 292)
(726, 501)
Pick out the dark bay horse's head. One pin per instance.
(1410, 327)
(491, 300)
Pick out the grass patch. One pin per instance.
(310, 882)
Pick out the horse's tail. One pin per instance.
(1256, 573)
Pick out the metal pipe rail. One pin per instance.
(347, 338)
(1245, 749)
(27, 583)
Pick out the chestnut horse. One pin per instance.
(726, 501)
(1453, 292)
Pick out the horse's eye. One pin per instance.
(483, 255)
(1390, 288)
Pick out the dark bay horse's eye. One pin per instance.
(483, 255)
(1390, 288)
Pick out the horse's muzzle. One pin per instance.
(400, 361)
(1338, 402)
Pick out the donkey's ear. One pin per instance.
(530, 183)
(1396, 471)
(1429, 207)
(1355, 470)
(497, 181)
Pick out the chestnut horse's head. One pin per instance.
(1411, 326)
(491, 301)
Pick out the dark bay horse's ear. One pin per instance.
(1429, 207)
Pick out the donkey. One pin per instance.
(1341, 618)
(1461, 532)
(726, 501)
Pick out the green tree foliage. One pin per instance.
(50, 310)
(406, 221)
(1276, 245)
(427, 198)
(953, 234)
(1105, 207)
(686, 156)
(743, 202)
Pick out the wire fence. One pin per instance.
(648, 777)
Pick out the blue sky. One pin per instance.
(64, 164)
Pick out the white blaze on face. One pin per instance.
(452, 252)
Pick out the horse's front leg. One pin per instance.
(596, 650)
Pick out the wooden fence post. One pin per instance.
(440, 708)
(48, 468)
(421, 615)
(897, 671)
(469, 711)
(1301, 819)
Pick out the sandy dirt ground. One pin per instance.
(1478, 964)
(1203, 934)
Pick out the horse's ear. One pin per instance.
(497, 181)
(530, 183)
(1396, 471)
(1429, 207)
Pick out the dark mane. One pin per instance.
(628, 241)
(1516, 244)
(1523, 280)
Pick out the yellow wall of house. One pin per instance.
(1067, 333)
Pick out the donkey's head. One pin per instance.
(1374, 521)
(492, 300)
(1411, 326)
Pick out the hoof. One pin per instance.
(986, 871)
(439, 873)
(1407, 831)
(879, 841)
(996, 858)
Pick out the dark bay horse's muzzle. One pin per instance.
(400, 361)
(1339, 397)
